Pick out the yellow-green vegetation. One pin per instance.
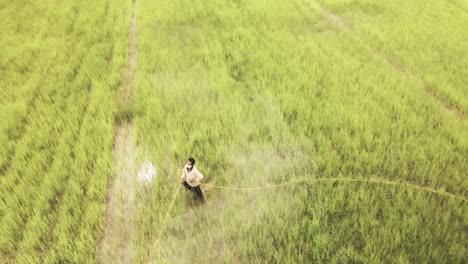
(61, 64)
(260, 93)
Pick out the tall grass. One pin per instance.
(61, 66)
(266, 91)
(259, 92)
(426, 40)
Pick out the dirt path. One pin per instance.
(116, 244)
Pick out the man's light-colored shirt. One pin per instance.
(193, 177)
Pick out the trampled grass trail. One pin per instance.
(116, 245)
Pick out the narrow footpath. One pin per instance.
(116, 244)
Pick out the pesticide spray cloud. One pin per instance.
(146, 173)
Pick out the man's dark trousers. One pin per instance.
(196, 189)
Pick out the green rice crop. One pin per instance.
(260, 93)
(61, 65)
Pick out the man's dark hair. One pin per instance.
(192, 160)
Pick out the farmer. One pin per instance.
(191, 178)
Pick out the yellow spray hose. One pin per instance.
(169, 209)
(376, 181)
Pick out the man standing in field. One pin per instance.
(191, 178)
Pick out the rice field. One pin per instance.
(338, 127)
(61, 65)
